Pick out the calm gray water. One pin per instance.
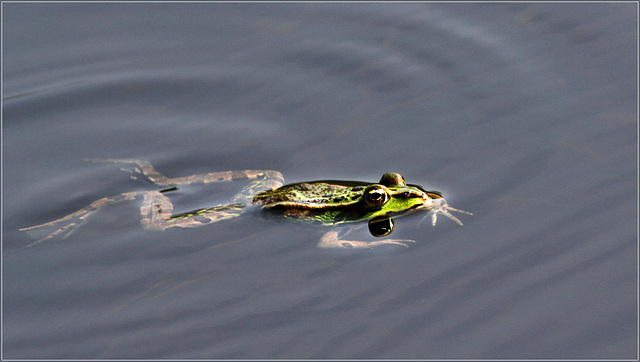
(524, 114)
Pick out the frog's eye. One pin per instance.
(376, 196)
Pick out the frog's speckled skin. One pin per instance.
(338, 202)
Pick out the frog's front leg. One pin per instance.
(332, 240)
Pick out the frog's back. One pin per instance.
(310, 195)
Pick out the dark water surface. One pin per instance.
(524, 114)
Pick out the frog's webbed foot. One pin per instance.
(56, 229)
(439, 206)
(140, 167)
(331, 240)
(65, 226)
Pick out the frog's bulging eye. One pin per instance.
(376, 196)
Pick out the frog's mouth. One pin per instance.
(440, 206)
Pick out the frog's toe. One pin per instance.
(50, 231)
(403, 242)
(116, 160)
(445, 209)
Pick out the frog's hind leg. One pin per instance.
(65, 226)
(157, 209)
(157, 213)
(261, 179)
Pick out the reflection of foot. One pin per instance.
(331, 240)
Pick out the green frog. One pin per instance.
(329, 203)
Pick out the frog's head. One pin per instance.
(393, 196)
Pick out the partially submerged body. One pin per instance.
(329, 203)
